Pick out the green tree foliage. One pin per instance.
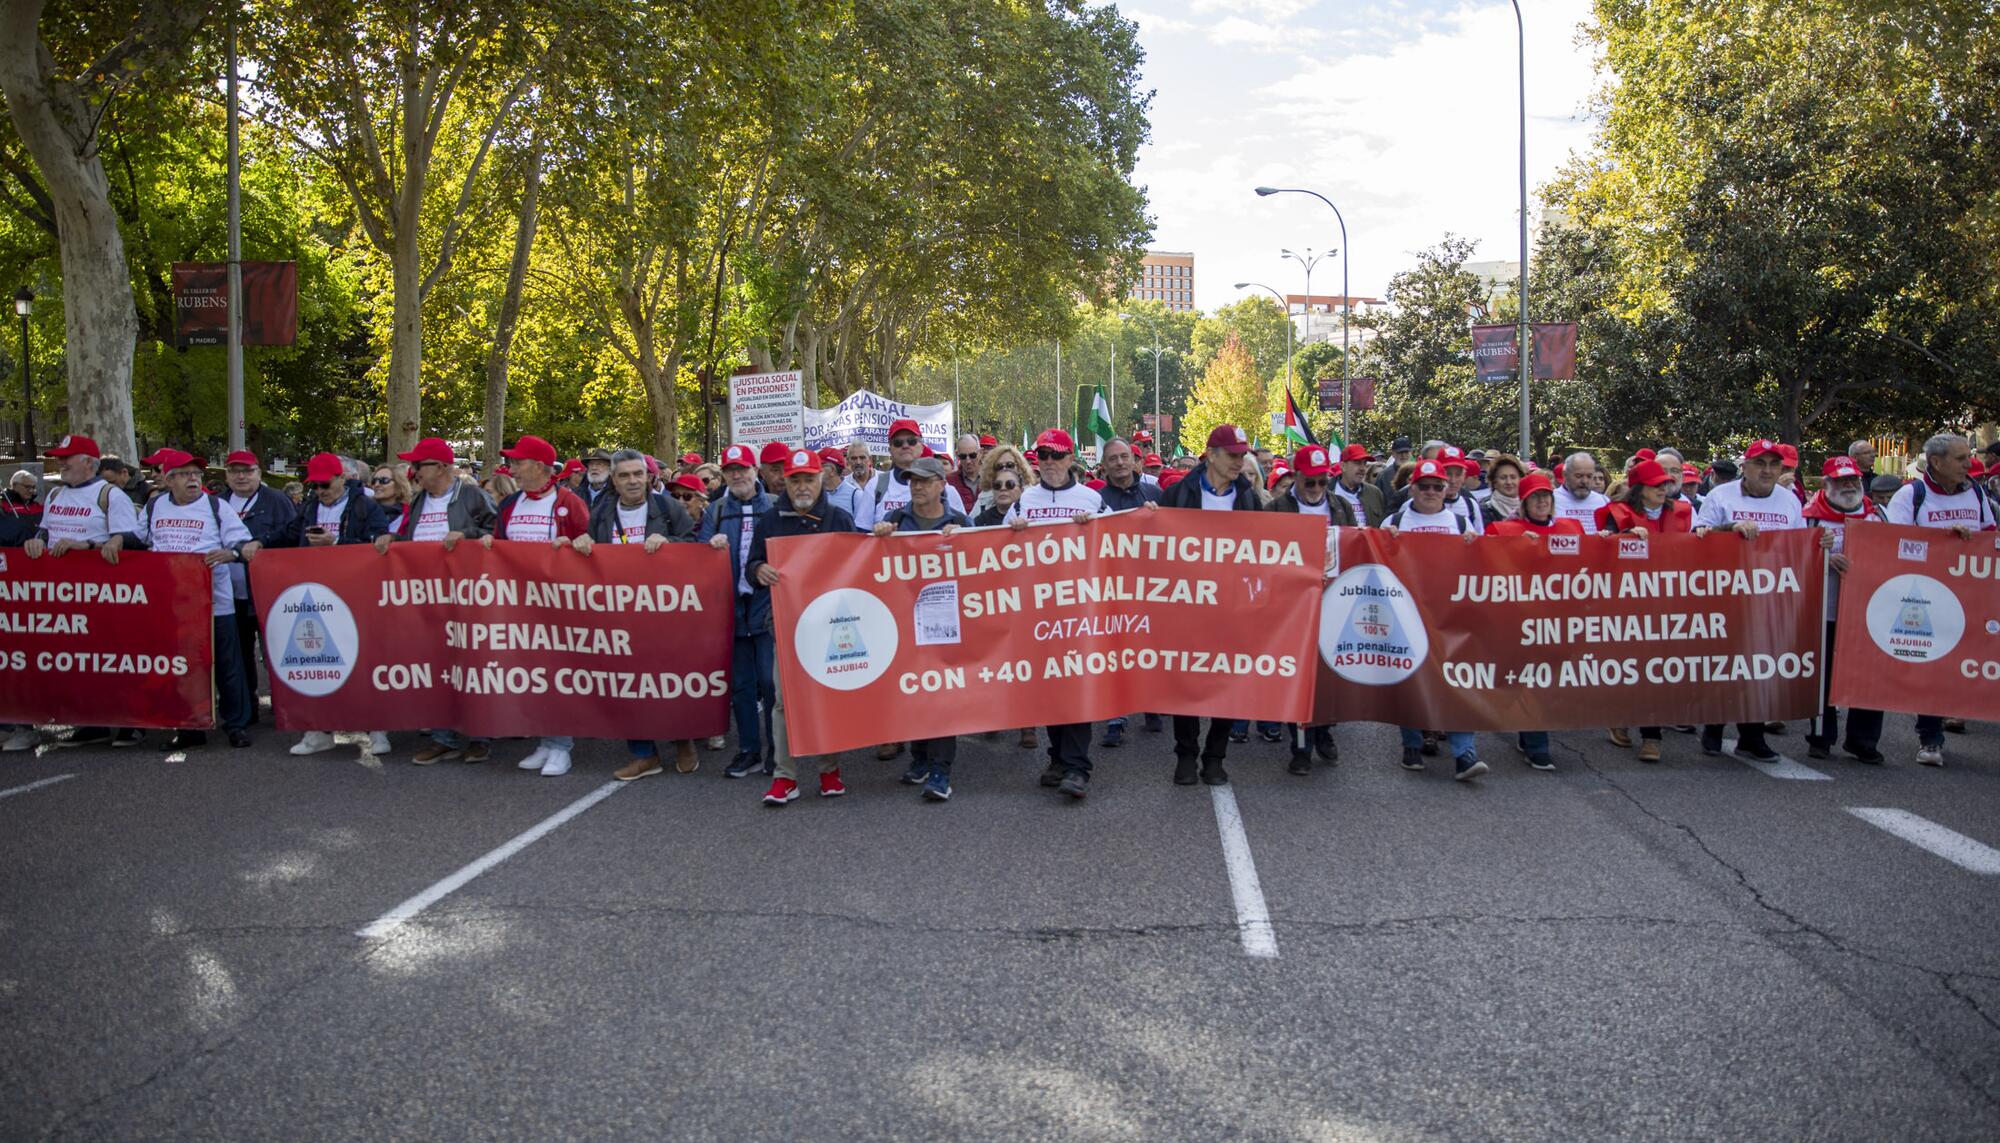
(1230, 392)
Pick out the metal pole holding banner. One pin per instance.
(1525, 359)
(235, 177)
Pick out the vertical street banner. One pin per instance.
(881, 638)
(95, 644)
(523, 639)
(864, 416)
(1511, 633)
(1919, 627)
(1494, 357)
(1555, 350)
(765, 407)
(270, 303)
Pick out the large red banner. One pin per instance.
(924, 635)
(1511, 633)
(523, 639)
(1919, 626)
(97, 644)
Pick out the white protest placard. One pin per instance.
(766, 407)
(866, 417)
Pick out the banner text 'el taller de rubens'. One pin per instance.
(924, 635)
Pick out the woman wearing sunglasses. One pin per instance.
(392, 492)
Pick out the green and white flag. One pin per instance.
(1093, 417)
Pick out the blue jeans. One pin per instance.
(561, 742)
(1533, 741)
(453, 740)
(752, 684)
(1460, 741)
(1930, 730)
(642, 748)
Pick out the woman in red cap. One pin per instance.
(1646, 506)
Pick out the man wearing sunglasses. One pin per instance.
(336, 510)
(442, 509)
(885, 492)
(1124, 488)
(268, 515)
(1427, 512)
(964, 478)
(1311, 494)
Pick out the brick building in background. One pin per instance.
(1167, 276)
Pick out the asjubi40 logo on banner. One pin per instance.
(312, 639)
(846, 639)
(1370, 631)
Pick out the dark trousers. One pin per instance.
(752, 684)
(1750, 734)
(229, 690)
(937, 753)
(1188, 743)
(1930, 729)
(1864, 727)
(246, 645)
(1069, 747)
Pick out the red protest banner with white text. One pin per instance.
(523, 639)
(922, 635)
(97, 644)
(1509, 633)
(1919, 626)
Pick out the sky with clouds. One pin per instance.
(1403, 113)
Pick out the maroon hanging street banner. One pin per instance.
(88, 643)
(1362, 389)
(270, 303)
(1493, 354)
(1509, 633)
(1919, 627)
(523, 639)
(1555, 350)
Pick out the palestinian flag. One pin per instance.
(1298, 433)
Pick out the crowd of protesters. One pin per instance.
(751, 495)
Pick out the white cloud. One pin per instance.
(1412, 136)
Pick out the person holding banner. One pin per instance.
(884, 494)
(1217, 484)
(337, 511)
(1058, 497)
(1425, 513)
(269, 516)
(1578, 497)
(1748, 505)
(1648, 506)
(1839, 502)
(730, 525)
(444, 508)
(1942, 496)
(1310, 494)
(1364, 497)
(190, 519)
(805, 511)
(930, 758)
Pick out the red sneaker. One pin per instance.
(830, 785)
(783, 790)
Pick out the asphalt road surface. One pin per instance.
(1705, 948)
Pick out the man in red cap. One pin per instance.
(191, 520)
(1311, 494)
(1943, 496)
(885, 493)
(83, 511)
(1217, 484)
(1840, 501)
(336, 510)
(730, 525)
(688, 463)
(271, 519)
(1425, 513)
(443, 509)
(1364, 498)
(1788, 472)
(841, 492)
(771, 467)
(1457, 468)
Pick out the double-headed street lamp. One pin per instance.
(1346, 387)
(1308, 260)
(24, 304)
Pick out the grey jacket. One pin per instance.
(469, 513)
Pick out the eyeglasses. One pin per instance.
(968, 456)
(1006, 466)
(1312, 482)
(383, 480)
(1006, 486)
(315, 485)
(1050, 454)
(1429, 486)
(906, 442)
(683, 496)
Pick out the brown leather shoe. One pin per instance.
(637, 768)
(1028, 739)
(685, 761)
(478, 751)
(1649, 750)
(1621, 737)
(888, 750)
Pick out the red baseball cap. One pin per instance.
(1171, 477)
(775, 452)
(241, 456)
(571, 467)
(169, 459)
(153, 458)
(1649, 473)
(1790, 455)
(1152, 458)
(1354, 452)
(1094, 485)
(1452, 456)
(1837, 466)
(531, 448)
(1977, 469)
(430, 448)
(1142, 435)
(833, 456)
(1760, 448)
(1646, 454)
(691, 458)
(927, 451)
(802, 460)
(691, 482)
(1428, 468)
(1278, 472)
(1535, 482)
(324, 468)
(652, 465)
(1690, 476)
(502, 470)
(1054, 439)
(989, 441)
(74, 445)
(1229, 439)
(738, 456)
(1312, 461)
(905, 425)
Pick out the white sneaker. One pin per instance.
(535, 760)
(315, 742)
(26, 738)
(1930, 755)
(557, 765)
(718, 742)
(378, 742)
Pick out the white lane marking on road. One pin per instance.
(1784, 767)
(1923, 833)
(1253, 919)
(392, 920)
(36, 785)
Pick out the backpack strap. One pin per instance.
(881, 486)
(1917, 501)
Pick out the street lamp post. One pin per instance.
(1156, 351)
(1308, 260)
(24, 304)
(1288, 327)
(1346, 385)
(1525, 359)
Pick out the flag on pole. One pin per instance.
(1298, 433)
(1093, 417)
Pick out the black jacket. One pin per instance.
(754, 617)
(1341, 514)
(360, 521)
(1118, 499)
(664, 517)
(271, 517)
(1186, 493)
